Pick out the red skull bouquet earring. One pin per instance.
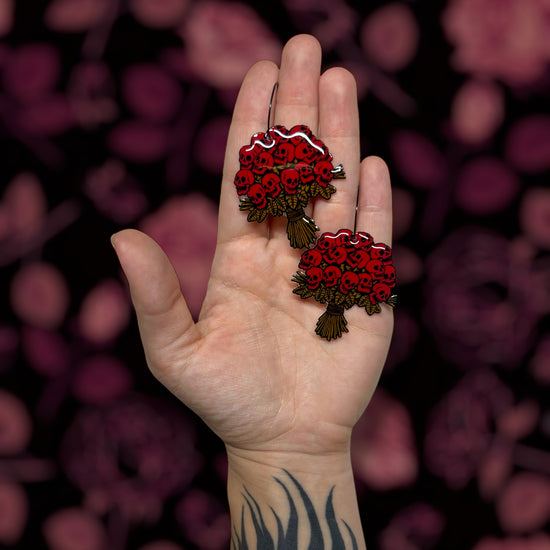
(342, 270)
(279, 172)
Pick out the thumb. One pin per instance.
(164, 320)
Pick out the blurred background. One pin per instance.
(114, 113)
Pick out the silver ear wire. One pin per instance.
(275, 86)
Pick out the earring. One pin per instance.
(345, 269)
(280, 170)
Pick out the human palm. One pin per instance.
(252, 366)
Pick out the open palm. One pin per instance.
(252, 366)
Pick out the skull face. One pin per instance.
(325, 155)
(375, 268)
(325, 242)
(310, 258)
(381, 251)
(314, 276)
(348, 282)
(299, 129)
(284, 152)
(304, 151)
(290, 178)
(263, 163)
(243, 180)
(343, 237)
(335, 255)
(272, 184)
(365, 283)
(331, 274)
(358, 258)
(256, 194)
(389, 275)
(362, 240)
(323, 172)
(246, 157)
(381, 292)
(307, 175)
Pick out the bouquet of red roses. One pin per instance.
(279, 172)
(342, 270)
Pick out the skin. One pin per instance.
(252, 367)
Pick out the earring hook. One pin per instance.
(275, 86)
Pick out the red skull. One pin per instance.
(302, 130)
(358, 258)
(381, 251)
(325, 242)
(348, 282)
(256, 194)
(284, 152)
(325, 155)
(335, 255)
(272, 184)
(304, 151)
(375, 268)
(279, 133)
(362, 240)
(310, 258)
(343, 237)
(380, 293)
(246, 156)
(331, 274)
(307, 175)
(290, 178)
(323, 172)
(243, 180)
(365, 283)
(263, 162)
(389, 275)
(314, 276)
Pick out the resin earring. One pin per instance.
(280, 170)
(344, 269)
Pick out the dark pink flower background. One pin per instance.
(115, 114)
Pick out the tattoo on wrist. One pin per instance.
(302, 516)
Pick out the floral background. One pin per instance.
(114, 113)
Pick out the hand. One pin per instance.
(252, 366)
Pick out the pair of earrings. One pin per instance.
(280, 171)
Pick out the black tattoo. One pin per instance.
(287, 539)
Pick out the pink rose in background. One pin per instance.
(15, 424)
(139, 141)
(101, 379)
(224, 39)
(204, 520)
(417, 527)
(6, 16)
(186, 229)
(459, 430)
(528, 144)
(104, 313)
(383, 449)
(210, 144)
(418, 160)
(534, 216)
(159, 14)
(540, 363)
(115, 193)
(151, 92)
(40, 295)
(46, 351)
(75, 15)
(535, 542)
(390, 35)
(524, 504)
(14, 510)
(74, 529)
(130, 455)
(477, 111)
(495, 468)
(482, 301)
(485, 185)
(505, 39)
